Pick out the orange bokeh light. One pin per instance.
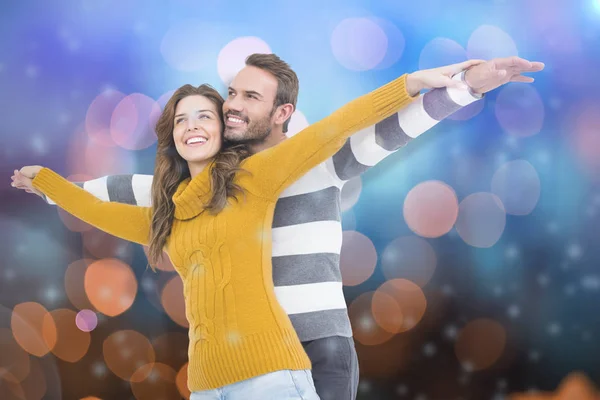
(410, 300)
(173, 301)
(366, 330)
(431, 209)
(358, 258)
(27, 323)
(14, 361)
(181, 382)
(154, 381)
(480, 344)
(72, 343)
(125, 352)
(110, 286)
(74, 284)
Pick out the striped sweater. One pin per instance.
(307, 229)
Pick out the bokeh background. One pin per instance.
(470, 257)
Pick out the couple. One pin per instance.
(251, 220)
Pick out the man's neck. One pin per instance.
(273, 139)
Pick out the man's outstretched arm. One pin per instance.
(132, 189)
(373, 144)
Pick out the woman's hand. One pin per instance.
(438, 77)
(23, 179)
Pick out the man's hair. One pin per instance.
(287, 80)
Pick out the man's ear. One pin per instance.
(284, 112)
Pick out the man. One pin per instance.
(307, 232)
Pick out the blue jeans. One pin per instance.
(279, 385)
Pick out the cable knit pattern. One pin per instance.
(238, 330)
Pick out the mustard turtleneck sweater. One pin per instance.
(237, 328)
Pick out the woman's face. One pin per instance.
(197, 131)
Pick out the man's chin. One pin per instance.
(235, 134)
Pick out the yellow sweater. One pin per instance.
(237, 330)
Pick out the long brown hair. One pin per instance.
(171, 169)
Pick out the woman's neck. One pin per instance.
(197, 167)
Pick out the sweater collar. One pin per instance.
(192, 195)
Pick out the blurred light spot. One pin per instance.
(350, 193)
(554, 329)
(183, 46)
(72, 343)
(39, 145)
(154, 381)
(575, 251)
(410, 258)
(431, 209)
(171, 348)
(481, 219)
(520, 110)
(410, 299)
(74, 283)
(357, 259)
(590, 282)
(366, 330)
(33, 387)
(512, 252)
(395, 43)
(480, 344)
(51, 295)
(133, 122)
(13, 359)
(181, 382)
(111, 286)
(429, 349)
(99, 369)
(86, 320)
(402, 390)
(173, 301)
(543, 280)
(164, 99)
(386, 312)
(451, 332)
(441, 51)
(232, 58)
(103, 245)
(514, 311)
(586, 140)
(297, 123)
(31, 71)
(570, 290)
(99, 114)
(534, 356)
(359, 44)
(31, 331)
(517, 184)
(488, 42)
(96, 159)
(127, 351)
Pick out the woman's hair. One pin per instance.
(171, 169)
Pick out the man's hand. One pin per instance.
(23, 179)
(489, 75)
(481, 76)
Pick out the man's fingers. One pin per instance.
(456, 68)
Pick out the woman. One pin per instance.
(212, 208)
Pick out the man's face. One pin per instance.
(249, 107)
